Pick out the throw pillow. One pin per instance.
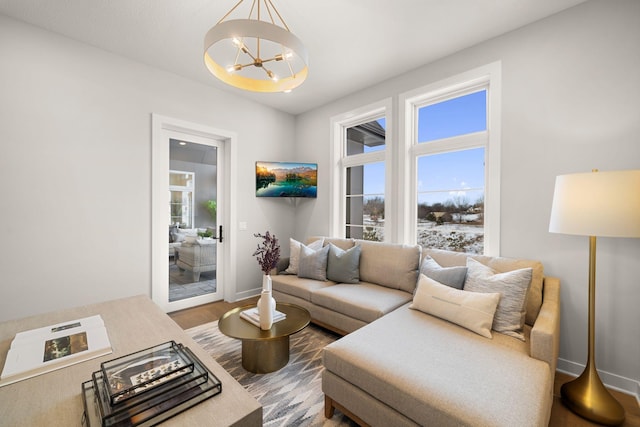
(473, 311)
(512, 286)
(294, 253)
(450, 276)
(343, 266)
(313, 264)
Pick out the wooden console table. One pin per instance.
(133, 324)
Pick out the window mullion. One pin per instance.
(362, 159)
(462, 142)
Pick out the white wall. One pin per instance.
(571, 102)
(75, 169)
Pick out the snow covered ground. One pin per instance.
(451, 236)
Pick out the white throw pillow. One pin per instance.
(294, 253)
(512, 286)
(471, 310)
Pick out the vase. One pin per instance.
(266, 282)
(266, 304)
(267, 286)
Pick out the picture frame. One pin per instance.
(286, 179)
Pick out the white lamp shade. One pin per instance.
(603, 204)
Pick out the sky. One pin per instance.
(447, 175)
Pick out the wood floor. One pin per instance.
(560, 415)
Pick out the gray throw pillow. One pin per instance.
(344, 266)
(512, 286)
(313, 264)
(450, 276)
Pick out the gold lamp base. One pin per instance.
(588, 397)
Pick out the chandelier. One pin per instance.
(256, 54)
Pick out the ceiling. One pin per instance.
(352, 44)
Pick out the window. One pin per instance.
(438, 185)
(360, 179)
(364, 190)
(450, 172)
(181, 185)
(452, 154)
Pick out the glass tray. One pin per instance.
(139, 372)
(170, 401)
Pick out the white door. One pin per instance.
(188, 206)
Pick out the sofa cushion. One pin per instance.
(294, 253)
(470, 310)
(512, 285)
(296, 286)
(366, 301)
(501, 265)
(437, 373)
(313, 263)
(450, 276)
(388, 264)
(343, 266)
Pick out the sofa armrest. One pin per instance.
(545, 334)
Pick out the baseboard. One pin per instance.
(247, 294)
(613, 381)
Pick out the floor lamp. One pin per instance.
(604, 204)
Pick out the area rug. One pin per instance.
(291, 396)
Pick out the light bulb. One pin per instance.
(272, 76)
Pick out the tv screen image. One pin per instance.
(286, 179)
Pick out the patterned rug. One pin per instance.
(291, 396)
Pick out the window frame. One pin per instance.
(340, 162)
(184, 189)
(400, 155)
(487, 78)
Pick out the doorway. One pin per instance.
(188, 214)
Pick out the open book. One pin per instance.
(42, 350)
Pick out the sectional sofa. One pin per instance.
(426, 338)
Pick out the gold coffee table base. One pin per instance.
(264, 351)
(262, 357)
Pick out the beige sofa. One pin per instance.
(401, 366)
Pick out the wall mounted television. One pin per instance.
(286, 179)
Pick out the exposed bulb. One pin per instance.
(272, 76)
(239, 44)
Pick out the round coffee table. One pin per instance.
(264, 351)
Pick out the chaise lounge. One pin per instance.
(401, 364)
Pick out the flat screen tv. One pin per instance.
(286, 179)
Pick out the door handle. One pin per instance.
(219, 234)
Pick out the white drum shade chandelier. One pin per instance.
(259, 53)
